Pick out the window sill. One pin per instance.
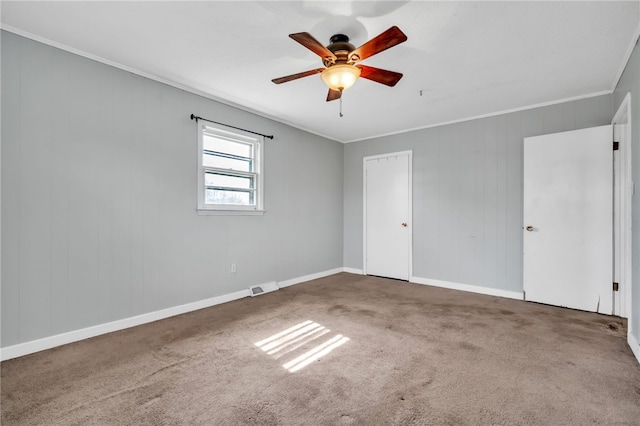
(230, 212)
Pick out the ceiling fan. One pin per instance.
(340, 58)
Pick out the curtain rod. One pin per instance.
(195, 117)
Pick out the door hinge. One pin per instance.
(616, 146)
(615, 286)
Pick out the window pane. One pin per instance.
(220, 180)
(229, 167)
(218, 196)
(227, 147)
(226, 163)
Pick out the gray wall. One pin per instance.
(99, 197)
(630, 82)
(467, 191)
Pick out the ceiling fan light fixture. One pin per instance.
(340, 77)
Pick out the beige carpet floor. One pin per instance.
(345, 349)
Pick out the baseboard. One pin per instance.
(468, 287)
(84, 333)
(352, 270)
(33, 346)
(305, 278)
(634, 345)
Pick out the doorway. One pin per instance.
(622, 201)
(387, 217)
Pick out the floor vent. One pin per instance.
(257, 290)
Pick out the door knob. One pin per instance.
(404, 224)
(529, 228)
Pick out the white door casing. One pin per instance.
(387, 215)
(616, 308)
(568, 227)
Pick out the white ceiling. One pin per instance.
(461, 59)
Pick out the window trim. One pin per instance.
(234, 135)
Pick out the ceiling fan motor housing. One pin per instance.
(340, 47)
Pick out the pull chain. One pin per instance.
(340, 106)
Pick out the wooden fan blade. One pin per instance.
(296, 76)
(386, 77)
(333, 95)
(387, 39)
(308, 41)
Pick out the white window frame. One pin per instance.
(238, 136)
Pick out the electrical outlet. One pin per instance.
(232, 268)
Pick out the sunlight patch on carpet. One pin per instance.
(297, 337)
(315, 353)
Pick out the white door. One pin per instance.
(387, 215)
(568, 198)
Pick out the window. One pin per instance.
(229, 170)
